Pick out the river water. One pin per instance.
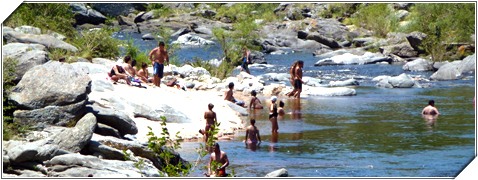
(377, 133)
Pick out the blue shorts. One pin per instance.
(158, 69)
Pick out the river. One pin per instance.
(377, 133)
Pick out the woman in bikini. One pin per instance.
(273, 115)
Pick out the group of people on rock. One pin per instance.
(128, 72)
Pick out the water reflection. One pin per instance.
(253, 146)
(274, 140)
(430, 120)
(296, 114)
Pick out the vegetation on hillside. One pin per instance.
(444, 23)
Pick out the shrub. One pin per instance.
(443, 23)
(97, 43)
(378, 17)
(46, 16)
(10, 128)
(164, 147)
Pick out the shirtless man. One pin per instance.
(430, 109)
(158, 56)
(298, 79)
(252, 136)
(211, 120)
(228, 96)
(222, 161)
(292, 78)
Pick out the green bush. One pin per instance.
(337, 10)
(247, 11)
(97, 43)
(10, 128)
(378, 17)
(164, 148)
(46, 16)
(444, 23)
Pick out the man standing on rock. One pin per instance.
(157, 56)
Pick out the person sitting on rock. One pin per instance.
(229, 95)
(117, 73)
(143, 74)
(128, 67)
(255, 102)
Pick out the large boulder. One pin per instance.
(74, 139)
(468, 64)
(404, 50)
(86, 15)
(400, 81)
(418, 65)
(323, 91)
(26, 56)
(449, 71)
(143, 16)
(19, 152)
(323, 40)
(50, 115)
(113, 117)
(347, 58)
(45, 85)
(192, 40)
(348, 82)
(415, 40)
(77, 165)
(44, 39)
(44, 88)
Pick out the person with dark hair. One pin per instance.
(211, 120)
(252, 136)
(228, 96)
(245, 60)
(292, 78)
(430, 109)
(281, 110)
(298, 79)
(273, 114)
(220, 159)
(143, 74)
(117, 73)
(255, 102)
(158, 56)
(62, 59)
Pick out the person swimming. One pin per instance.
(430, 109)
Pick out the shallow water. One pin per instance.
(377, 133)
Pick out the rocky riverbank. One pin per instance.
(84, 124)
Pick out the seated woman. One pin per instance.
(143, 74)
(117, 73)
(255, 102)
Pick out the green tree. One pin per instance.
(378, 17)
(443, 23)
